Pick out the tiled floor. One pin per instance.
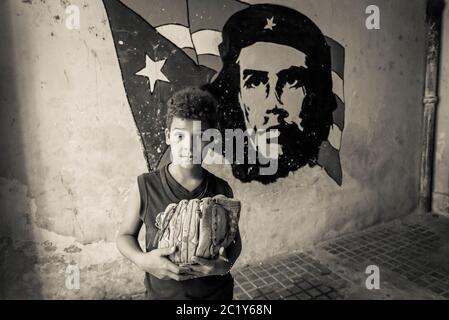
(403, 252)
(296, 276)
(411, 254)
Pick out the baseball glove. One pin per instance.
(197, 227)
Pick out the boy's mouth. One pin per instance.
(187, 158)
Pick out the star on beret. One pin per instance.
(270, 24)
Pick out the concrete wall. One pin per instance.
(70, 153)
(70, 149)
(441, 173)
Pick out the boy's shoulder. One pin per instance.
(151, 175)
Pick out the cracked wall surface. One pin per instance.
(71, 152)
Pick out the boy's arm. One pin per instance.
(127, 242)
(155, 261)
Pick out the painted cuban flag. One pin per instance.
(164, 46)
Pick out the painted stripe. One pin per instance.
(211, 61)
(160, 12)
(207, 14)
(191, 53)
(337, 57)
(329, 159)
(335, 137)
(339, 114)
(207, 41)
(178, 34)
(338, 86)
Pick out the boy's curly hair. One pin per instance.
(192, 103)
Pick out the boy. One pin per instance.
(173, 182)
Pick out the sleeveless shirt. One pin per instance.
(157, 190)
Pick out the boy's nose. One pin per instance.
(188, 148)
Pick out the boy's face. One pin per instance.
(182, 138)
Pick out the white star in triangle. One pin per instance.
(270, 23)
(153, 72)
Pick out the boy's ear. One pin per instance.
(167, 136)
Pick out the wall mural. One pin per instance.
(269, 66)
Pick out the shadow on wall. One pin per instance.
(18, 252)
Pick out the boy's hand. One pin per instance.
(157, 263)
(220, 266)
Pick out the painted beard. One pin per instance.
(298, 149)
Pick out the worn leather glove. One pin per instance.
(197, 227)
